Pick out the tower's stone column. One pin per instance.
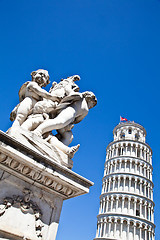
(127, 188)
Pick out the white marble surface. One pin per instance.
(33, 188)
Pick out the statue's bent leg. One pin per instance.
(55, 142)
(33, 122)
(66, 137)
(64, 118)
(70, 151)
(23, 111)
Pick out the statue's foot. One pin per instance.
(73, 150)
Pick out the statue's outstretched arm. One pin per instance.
(41, 92)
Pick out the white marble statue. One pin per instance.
(39, 112)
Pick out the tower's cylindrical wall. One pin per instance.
(126, 202)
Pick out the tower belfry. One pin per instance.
(126, 202)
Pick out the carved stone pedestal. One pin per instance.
(32, 189)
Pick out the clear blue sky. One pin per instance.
(115, 47)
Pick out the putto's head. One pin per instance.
(90, 99)
(41, 77)
(52, 88)
(74, 78)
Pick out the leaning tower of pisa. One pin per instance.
(126, 202)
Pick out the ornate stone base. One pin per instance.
(33, 187)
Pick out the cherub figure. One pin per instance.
(29, 94)
(40, 111)
(47, 108)
(76, 111)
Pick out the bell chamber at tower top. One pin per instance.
(129, 131)
(129, 140)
